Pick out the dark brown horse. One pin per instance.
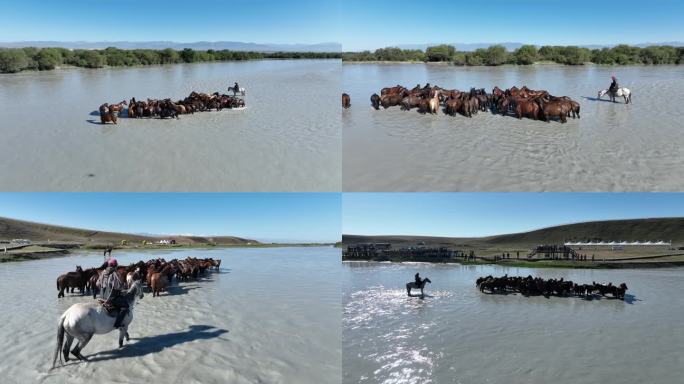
(346, 101)
(74, 279)
(526, 108)
(375, 101)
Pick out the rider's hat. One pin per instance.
(613, 77)
(112, 262)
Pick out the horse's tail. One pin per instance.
(60, 341)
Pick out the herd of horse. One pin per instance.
(85, 319)
(518, 102)
(157, 274)
(166, 108)
(534, 286)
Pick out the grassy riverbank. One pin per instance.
(518, 249)
(41, 252)
(525, 55)
(14, 60)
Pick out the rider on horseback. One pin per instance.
(111, 291)
(613, 86)
(419, 281)
(236, 88)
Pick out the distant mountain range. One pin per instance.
(199, 45)
(467, 47)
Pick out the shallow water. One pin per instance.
(271, 315)
(288, 138)
(613, 147)
(458, 335)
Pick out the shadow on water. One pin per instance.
(175, 290)
(153, 344)
(91, 121)
(596, 99)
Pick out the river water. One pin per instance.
(613, 147)
(458, 335)
(271, 315)
(288, 138)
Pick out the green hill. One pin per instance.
(653, 229)
(37, 232)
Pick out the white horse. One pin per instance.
(83, 320)
(420, 286)
(621, 92)
(240, 90)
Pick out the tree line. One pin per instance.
(19, 59)
(526, 55)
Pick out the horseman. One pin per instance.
(235, 88)
(418, 280)
(613, 86)
(111, 291)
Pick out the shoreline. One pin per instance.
(65, 67)
(535, 64)
(11, 257)
(541, 263)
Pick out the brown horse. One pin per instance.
(554, 109)
(526, 108)
(375, 101)
(133, 108)
(410, 101)
(346, 101)
(71, 280)
(391, 100)
(111, 112)
(452, 105)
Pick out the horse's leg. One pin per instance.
(67, 346)
(82, 342)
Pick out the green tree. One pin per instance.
(169, 56)
(575, 55)
(88, 58)
(13, 60)
(495, 55)
(441, 52)
(188, 55)
(459, 58)
(476, 57)
(48, 58)
(525, 55)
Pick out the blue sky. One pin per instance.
(484, 214)
(380, 23)
(263, 21)
(274, 217)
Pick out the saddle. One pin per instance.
(110, 308)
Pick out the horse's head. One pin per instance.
(427, 280)
(79, 269)
(601, 93)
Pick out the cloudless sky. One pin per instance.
(484, 214)
(269, 217)
(262, 21)
(381, 23)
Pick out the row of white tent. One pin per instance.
(660, 243)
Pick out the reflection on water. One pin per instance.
(458, 335)
(285, 140)
(613, 147)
